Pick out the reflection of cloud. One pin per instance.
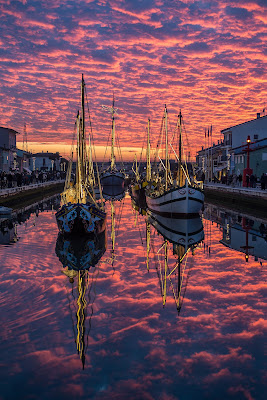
(136, 348)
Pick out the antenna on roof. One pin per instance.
(25, 140)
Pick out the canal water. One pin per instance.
(150, 320)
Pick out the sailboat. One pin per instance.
(80, 213)
(112, 176)
(174, 197)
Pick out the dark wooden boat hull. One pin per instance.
(81, 253)
(80, 219)
(112, 179)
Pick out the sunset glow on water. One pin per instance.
(133, 346)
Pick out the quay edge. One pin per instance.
(239, 199)
(16, 199)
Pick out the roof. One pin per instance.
(242, 123)
(10, 130)
(43, 154)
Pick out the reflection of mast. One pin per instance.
(81, 316)
(148, 232)
(181, 252)
(113, 236)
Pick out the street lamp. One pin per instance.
(247, 172)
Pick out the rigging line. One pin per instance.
(119, 151)
(186, 283)
(157, 149)
(102, 167)
(143, 145)
(120, 215)
(93, 285)
(181, 164)
(185, 158)
(72, 320)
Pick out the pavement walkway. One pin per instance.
(11, 191)
(257, 192)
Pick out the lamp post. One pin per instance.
(247, 172)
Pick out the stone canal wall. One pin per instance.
(20, 196)
(238, 198)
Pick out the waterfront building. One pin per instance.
(258, 158)
(229, 156)
(45, 161)
(22, 161)
(213, 161)
(8, 151)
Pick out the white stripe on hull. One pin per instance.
(186, 200)
(181, 231)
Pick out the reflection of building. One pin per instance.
(240, 232)
(8, 232)
(247, 236)
(8, 149)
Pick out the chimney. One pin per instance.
(258, 115)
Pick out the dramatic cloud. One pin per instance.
(207, 58)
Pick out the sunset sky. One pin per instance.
(206, 57)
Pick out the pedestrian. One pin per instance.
(247, 180)
(240, 179)
(251, 180)
(262, 182)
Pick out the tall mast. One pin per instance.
(113, 137)
(25, 140)
(82, 160)
(148, 164)
(78, 163)
(166, 149)
(180, 149)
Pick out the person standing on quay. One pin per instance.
(263, 181)
(247, 180)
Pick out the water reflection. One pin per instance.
(79, 258)
(178, 237)
(131, 346)
(240, 232)
(9, 224)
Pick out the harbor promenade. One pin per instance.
(7, 192)
(241, 199)
(237, 190)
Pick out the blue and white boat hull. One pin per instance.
(80, 219)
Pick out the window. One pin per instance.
(43, 162)
(256, 137)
